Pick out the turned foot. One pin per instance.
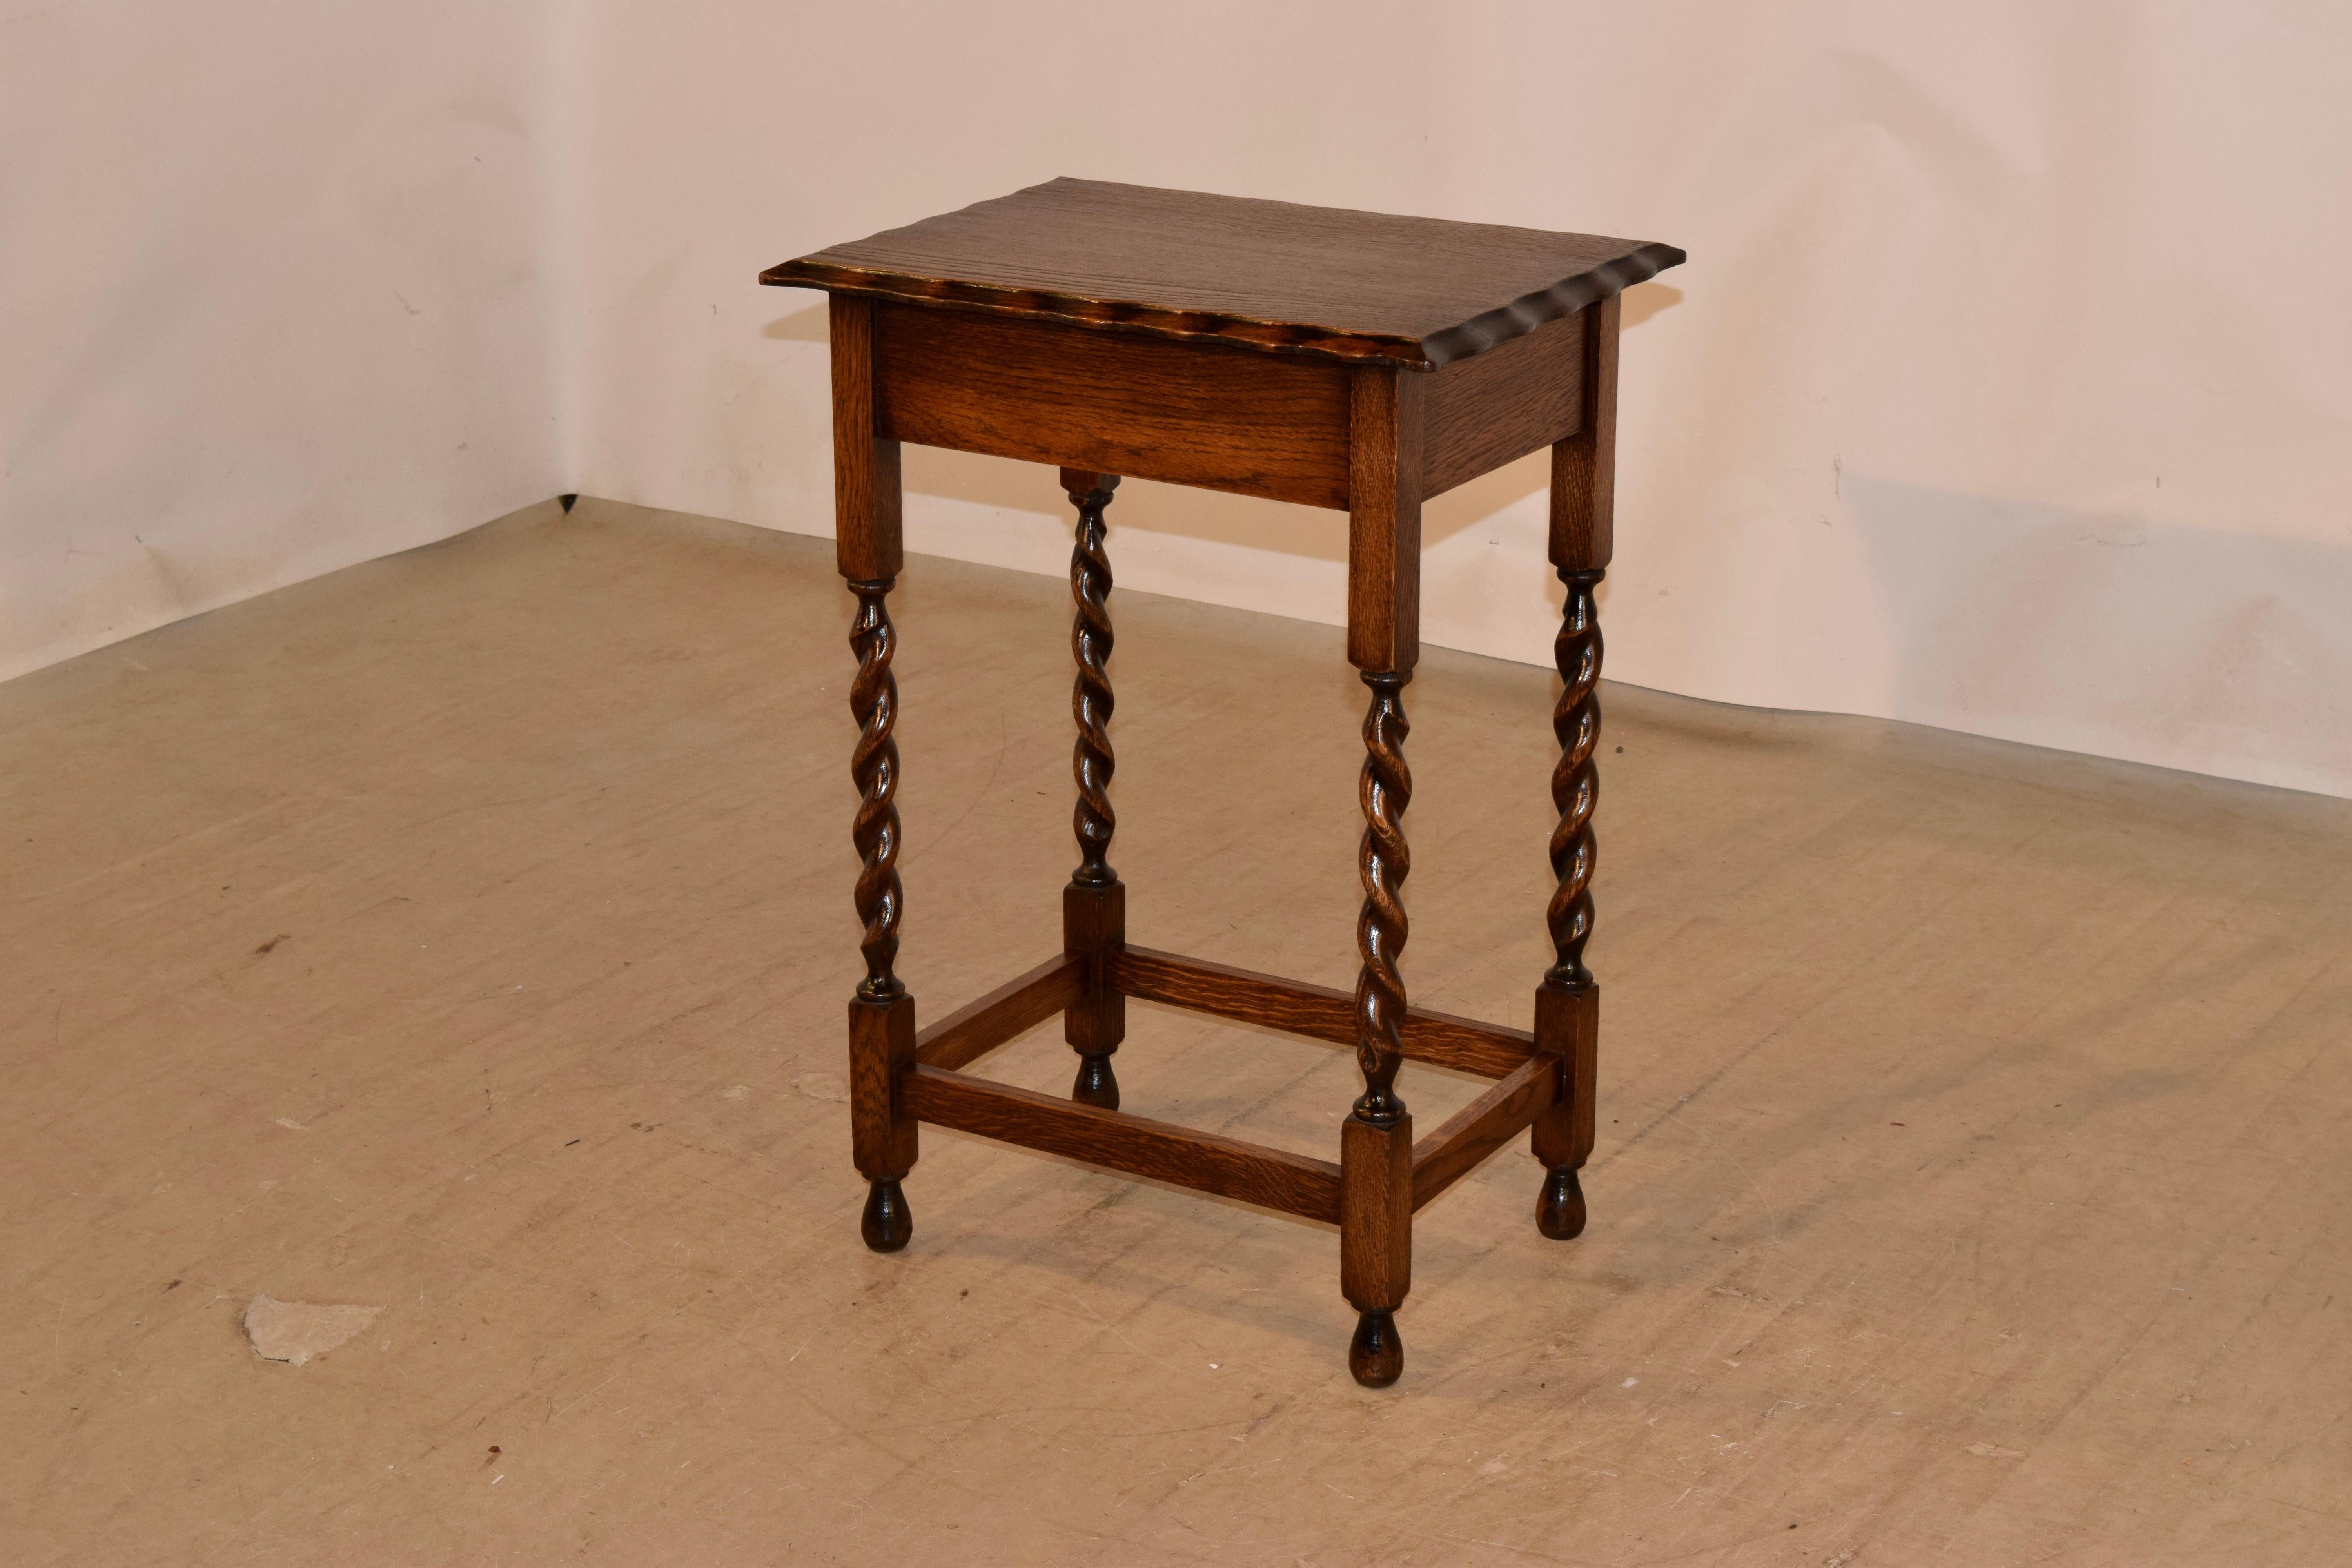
(887, 1224)
(1095, 1085)
(1376, 1355)
(1560, 1207)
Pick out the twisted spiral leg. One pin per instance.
(1376, 1143)
(1090, 699)
(874, 766)
(1567, 1002)
(1575, 783)
(1094, 906)
(1383, 862)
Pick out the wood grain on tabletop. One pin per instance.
(1275, 275)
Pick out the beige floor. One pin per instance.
(467, 934)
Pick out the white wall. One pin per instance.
(2006, 389)
(276, 296)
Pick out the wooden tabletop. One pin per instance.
(1272, 276)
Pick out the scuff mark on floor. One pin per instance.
(296, 1332)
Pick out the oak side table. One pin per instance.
(1339, 359)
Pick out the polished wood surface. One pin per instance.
(1094, 924)
(874, 768)
(1575, 778)
(1495, 409)
(1567, 1030)
(1387, 411)
(1014, 1008)
(1313, 1012)
(1483, 1126)
(1273, 276)
(1094, 906)
(1091, 699)
(1120, 1141)
(1047, 392)
(1383, 862)
(1522, 1095)
(1375, 1240)
(1050, 393)
(1341, 360)
(884, 1134)
(1567, 1002)
(1584, 464)
(869, 551)
(866, 527)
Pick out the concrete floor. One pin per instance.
(467, 934)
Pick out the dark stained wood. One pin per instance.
(868, 551)
(1375, 1240)
(1388, 409)
(866, 527)
(1271, 276)
(1376, 1351)
(1567, 1022)
(1153, 410)
(1091, 699)
(1483, 1126)
(881, 1047)
(874, 768)
(1094, 906)
(1313, 1012)
(1559, 1206)
(1094, 924)
(883, 1133)
(1117, 1141)
(888, 1223)
(1383, 862)
(1344, 360)
(1575, 779)
(970, 1032)
(1567, 1030)
(1584, 466)
(1568, 1002)
(1495, 409)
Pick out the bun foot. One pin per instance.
(1097, 1085)
(1376, 1355)
(887, 1225)
(1560, 1207)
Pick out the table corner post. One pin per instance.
(1567, 1030)
(1387, 405)
(868, 541)
(883, 1133)
(1584, 465)
(869, 550)
(1386, 418)
(1376, 1241)
(1383, 643)
(1567, 1002)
